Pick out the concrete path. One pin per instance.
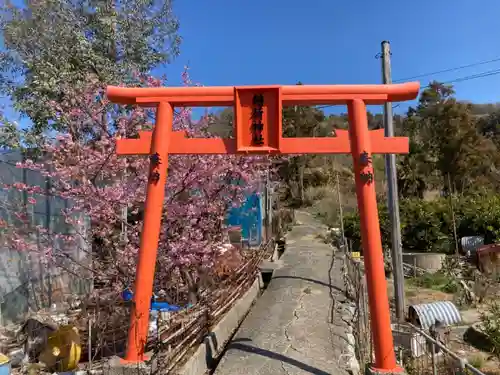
(299, 324)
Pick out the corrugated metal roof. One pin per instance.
(444, 311)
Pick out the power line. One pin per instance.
(448, 70)
(487, 73)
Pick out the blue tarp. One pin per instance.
(127, 295)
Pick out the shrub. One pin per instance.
(480, 215)
(427, 226)
(491, 326)
(352, 228)
(477, 361)
(436, 281)
(316, 193)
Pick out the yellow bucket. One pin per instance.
(63, 349)
(4, 365)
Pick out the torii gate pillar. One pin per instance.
(258, 131)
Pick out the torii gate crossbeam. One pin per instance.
(258, 111)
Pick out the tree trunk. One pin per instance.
(193, 291)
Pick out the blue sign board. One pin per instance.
(249, 217)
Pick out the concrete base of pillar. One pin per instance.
(373, 371)
(116, 366)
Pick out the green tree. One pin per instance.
(445, 137)
(54, 46)
(413, 172)
(300, 121)
(222, 123)
(489, 126)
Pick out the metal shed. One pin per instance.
(424, 315)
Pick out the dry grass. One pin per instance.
(415, 295)
(488, 364)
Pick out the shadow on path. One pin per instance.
(236, 344)
(328, 285)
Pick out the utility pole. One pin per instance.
(392, 184)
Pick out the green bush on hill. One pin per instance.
(427, 226)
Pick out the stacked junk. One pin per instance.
(56, 339)
(65, 340)
(437, 320)
(77, 334)
(47, 340)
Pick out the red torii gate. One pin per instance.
(258, 119)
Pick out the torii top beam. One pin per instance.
(224, 96)
(276, 97)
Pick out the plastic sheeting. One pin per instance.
(471, 243)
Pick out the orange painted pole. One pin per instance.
(361, 149)
(139, 318)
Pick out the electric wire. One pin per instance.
(447, 70)
(487, 73)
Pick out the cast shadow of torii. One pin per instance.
(238, 345)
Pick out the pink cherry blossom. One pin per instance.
(86, 171)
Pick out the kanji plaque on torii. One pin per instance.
(258, 111)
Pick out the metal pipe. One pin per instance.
(463, 362)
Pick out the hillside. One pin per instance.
(450, 140)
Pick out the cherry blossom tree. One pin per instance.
(110, 190)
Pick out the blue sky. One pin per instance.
(239, 42)
(242, 42)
